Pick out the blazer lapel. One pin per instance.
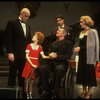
(27, 31)
(20, 27)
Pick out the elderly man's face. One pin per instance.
(60, 33)
(25, 16)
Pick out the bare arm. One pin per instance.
(28, 59)
(43, 55)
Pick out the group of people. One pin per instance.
(24, 54)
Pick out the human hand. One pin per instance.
(34, 66)
(77, 49)
(11, 57)
(53, 55)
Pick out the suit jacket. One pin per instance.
(51, 38)
(15, 39)
(64, 50)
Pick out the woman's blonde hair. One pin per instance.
(40, 37)
(87, 20)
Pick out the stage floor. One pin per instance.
(76, 92)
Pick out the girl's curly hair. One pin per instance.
(40, 37)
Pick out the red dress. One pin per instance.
(34, 55)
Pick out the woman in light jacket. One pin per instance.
(88, 51)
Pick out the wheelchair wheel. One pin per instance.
(69, 83)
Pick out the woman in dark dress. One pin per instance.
(88, 55)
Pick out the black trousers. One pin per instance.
(58, 71)
(14, 68)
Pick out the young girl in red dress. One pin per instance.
(33, 51)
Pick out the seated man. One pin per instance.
(59, 51)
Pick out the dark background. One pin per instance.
(43, 15)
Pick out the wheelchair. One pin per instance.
(69, 79)
(67, 83)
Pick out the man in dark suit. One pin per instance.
(59, 51)
(52, 37)
(2, 42)
(17, 37)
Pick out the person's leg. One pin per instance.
(20, 64)
(21, 81)
(27, 87)
(58, 75)
(44, 86)
(84, 91)
(30, 88)
(89, 93)
(12, 74)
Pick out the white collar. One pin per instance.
(34, 47)
(19, 18)
(61, 26)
